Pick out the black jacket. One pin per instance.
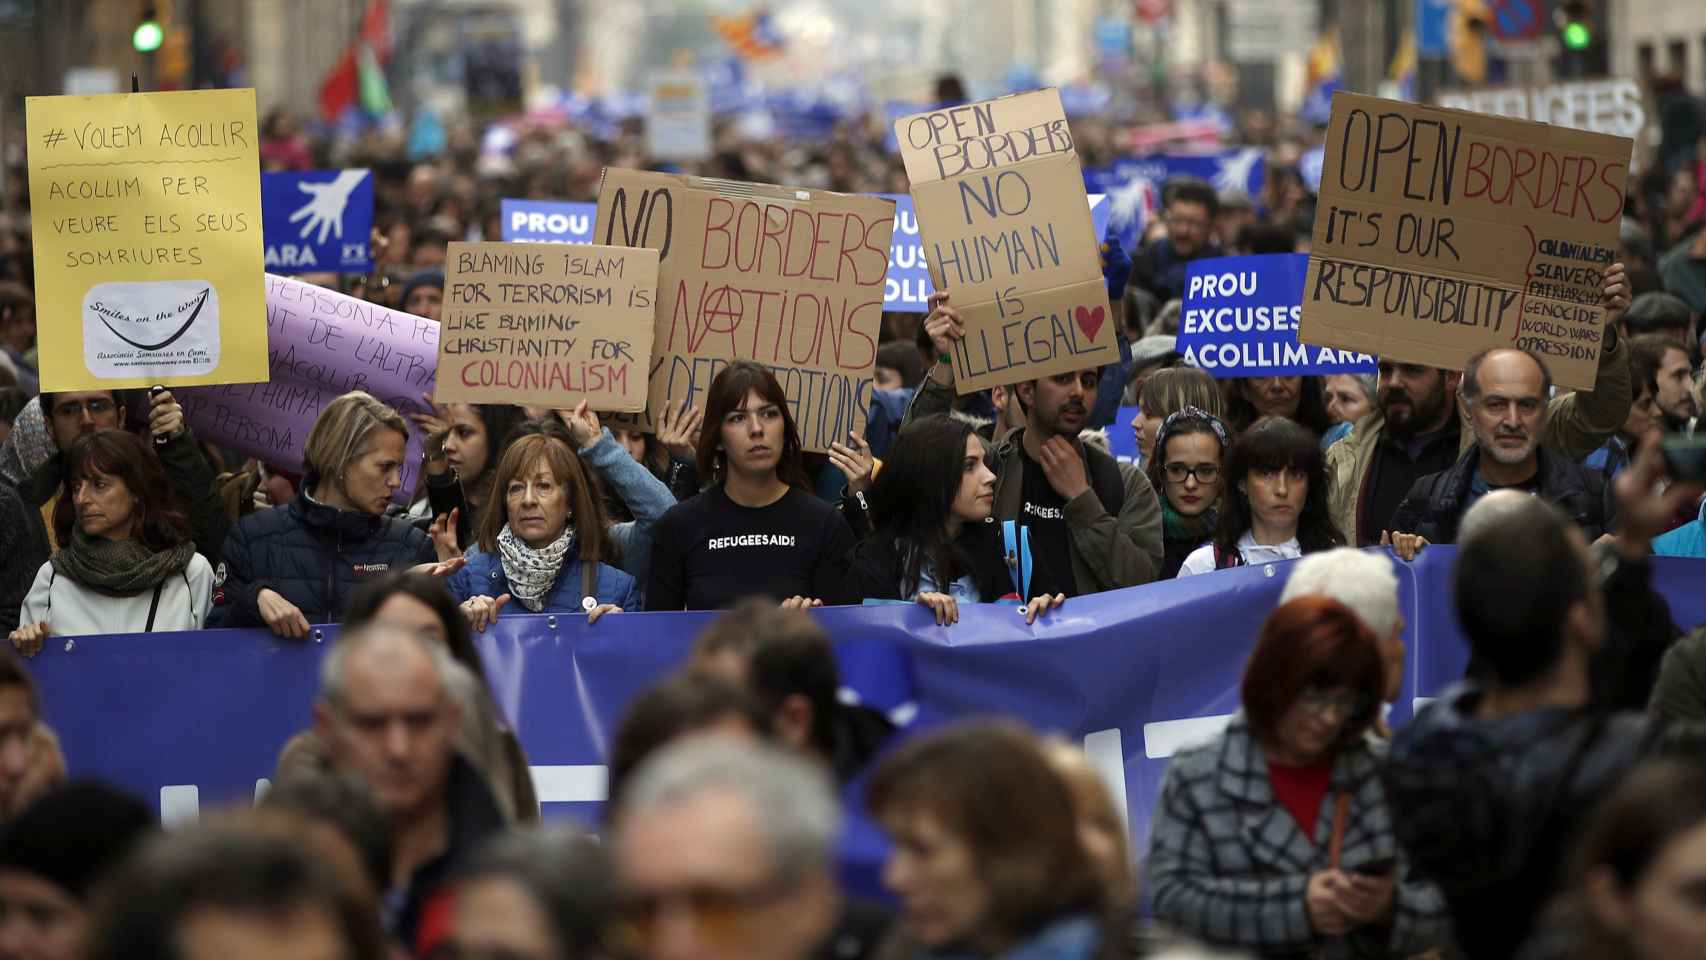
(23, 549)
(314, 556)
(1488, 809)
(1436, 503)
(875, 569)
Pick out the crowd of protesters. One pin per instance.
(1549, 805)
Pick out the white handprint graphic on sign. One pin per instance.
(326, 209)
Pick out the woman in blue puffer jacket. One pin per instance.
(542, 544)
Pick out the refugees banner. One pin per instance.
(1442, 233)
(908, 286)
(547, 221)
(197, 719)
(322, 344)
(999, 194)
(1240, 320)
(317, 221)
(147, 223)
(1603, 106)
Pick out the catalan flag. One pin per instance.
(751, 35)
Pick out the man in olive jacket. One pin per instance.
(1094, 524)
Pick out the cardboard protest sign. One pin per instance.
(322, 345)
(908, 287)
(544, 325)
(1001, 202)
(1440, 233)
(147, 214)
(319, 220)
(792, 279)
(1603, 106)
(547, 221)
(1240, 320)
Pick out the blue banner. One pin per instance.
(1431, 29)
(908, 282)
(318, 221)
(1240, 320)
(547, 221)
(198, 719)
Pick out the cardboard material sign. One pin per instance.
(909, 277)
(1440, 233)
(147, 225)
(1006, 226)
(792, 279)
(1240, 320)
(547, 325)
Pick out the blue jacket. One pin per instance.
(1688, 540)
(483, 576)
(647, 497)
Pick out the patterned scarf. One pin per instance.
(532, 573)
(119, 567)
(28, 447)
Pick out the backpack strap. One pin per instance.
(1225, 560)
(154, 606)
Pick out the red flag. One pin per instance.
(343, 84)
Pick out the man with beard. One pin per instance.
(1083, 522)
(1416, 428)
(1664, 399)
(1503, 395)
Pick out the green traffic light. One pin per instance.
(148, 36)
(1577, 35)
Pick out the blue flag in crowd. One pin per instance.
(908, 283)
(318, 221)
(547, 221)
(1133, 184)
(1240, 320)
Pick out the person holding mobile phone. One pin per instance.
(1275, 837)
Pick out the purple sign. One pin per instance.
(321, 344)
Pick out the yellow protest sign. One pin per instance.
(146, 210)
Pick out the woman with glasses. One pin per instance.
(1186, 470)
(1273, 503)
(1275, 837)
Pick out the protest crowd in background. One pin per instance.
(1551, 805)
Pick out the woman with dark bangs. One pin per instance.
(1273, 500)
(1275, 837)
(126, 563)
(757, 529)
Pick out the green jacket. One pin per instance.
(1108, 552)
(1577, 424)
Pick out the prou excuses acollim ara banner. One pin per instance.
(1240, 319)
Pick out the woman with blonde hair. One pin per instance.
(289, 566)
(1165, 393)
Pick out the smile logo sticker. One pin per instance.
(151, 329)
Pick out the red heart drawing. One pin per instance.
(1088, 321)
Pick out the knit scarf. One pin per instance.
(532, 573)
(119, 567)
(1178, 526)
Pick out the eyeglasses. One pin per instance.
(718, 913)
(1320, 700)
(73, 408)
(1203, 472)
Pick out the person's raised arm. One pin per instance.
(936, 392)
(1580, 422)
(193, 480)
